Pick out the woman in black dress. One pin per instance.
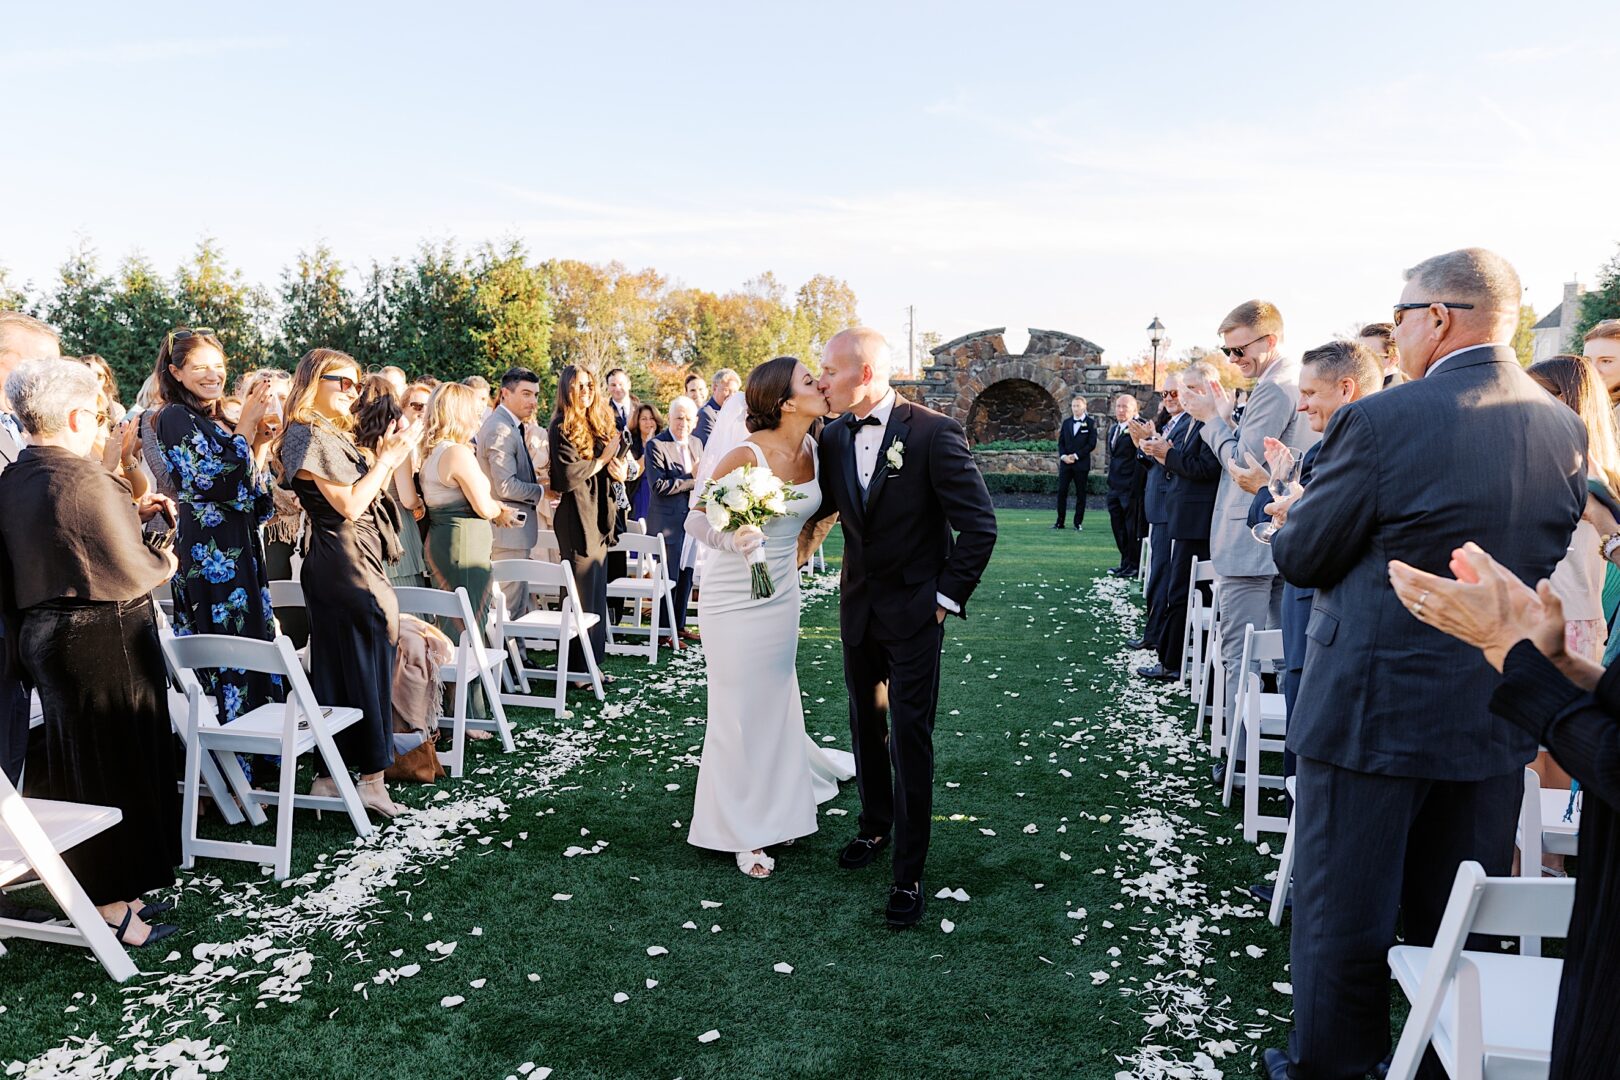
(354, 619)
(1572, 707)
(75, 585)
(585, 445)
(219, 472)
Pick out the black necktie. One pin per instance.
(856, 425)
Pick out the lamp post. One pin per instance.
(1156, 336)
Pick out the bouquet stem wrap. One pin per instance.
(759, 576)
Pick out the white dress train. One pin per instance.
(761, 776)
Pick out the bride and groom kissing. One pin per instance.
(918, 530)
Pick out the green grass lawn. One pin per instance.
(1106, 931)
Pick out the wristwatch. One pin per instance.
(1607, 545)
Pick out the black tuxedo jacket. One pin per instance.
(1124, 469)
(899, 547)
(1195, 477)
(1082, 441)
(1474, 451)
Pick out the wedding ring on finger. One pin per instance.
(1417, 608)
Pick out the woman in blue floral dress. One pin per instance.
(224, 496)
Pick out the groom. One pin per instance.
(902, 481)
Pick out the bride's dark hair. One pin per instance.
(769, 387)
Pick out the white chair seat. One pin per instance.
(493, 659)
(259, 731)
(1558, 837)
(1518, 998)
(65, 823)
(629, 587)
(548, 621)
(1273, 714)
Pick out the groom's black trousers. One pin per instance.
(893, 688)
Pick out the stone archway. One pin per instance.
(1012, 409)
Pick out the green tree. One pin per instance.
(11, 298)
(1600, 303)
(84, 307)
(144, 309)
(1524, 342)
(317, 308)
(514, 309)
(210, 293)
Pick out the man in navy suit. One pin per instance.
(1077, 440)
(1156, 512)
(1402, 772)
(1124, 487)
(1195, 474)
(672, 462)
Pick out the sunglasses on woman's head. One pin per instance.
(345, 383)
(181, 335)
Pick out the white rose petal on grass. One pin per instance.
(657, 950)
(672, 787)
(651, 983)
(1098, 978)
(987, 832)
(783, 969)
(1255, 951)
(478, 984)
(946, 925)
(452, 1001)
(836, 811)
(1283, 988)
(709, 1036)
(620, 998)
(1030, 828)
(562, 896)
(712, 903)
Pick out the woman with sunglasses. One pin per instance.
(354, 618)
(222, 488)
(376, 410)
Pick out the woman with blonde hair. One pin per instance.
(354, 618)
(585, 458)
(460, 505)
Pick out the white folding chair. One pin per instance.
(474, 662)
(637, 526)
(1543, 830)
(226, 788)
(1195, 634)
(818, 560)
(285, 595)
(1263, 719)
(1285, 868)
(33, 834)
(289, 730)
(1212, 685)
(647, 581)
(564, 629)
(1487, 1015)
(1144, 559)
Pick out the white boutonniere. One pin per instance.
(896, 455)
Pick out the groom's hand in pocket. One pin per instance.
(939, 615)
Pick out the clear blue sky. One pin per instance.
(1073, 166)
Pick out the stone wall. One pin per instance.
(1015, 461)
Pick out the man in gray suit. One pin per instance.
(1251, 591)
(22, 337)
(503, 452)
(672, 461)
(1402, 771)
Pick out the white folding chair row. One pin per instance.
(1542, 829)
(1263, 718)
(564, 629)
(33, 834)
(646, 581)
(474, 662)
(1487, 1015)
(289, 731)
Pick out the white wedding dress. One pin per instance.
(761, 776)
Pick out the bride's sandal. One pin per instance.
(756, 864)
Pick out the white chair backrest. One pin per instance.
(637, 526)
(545, 538)
(1203, 570)
(1261, 645)
(186, 654)
(548, 575)
(640, 544)
(418, 600)
(287, 594)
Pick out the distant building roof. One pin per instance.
(1553, 320)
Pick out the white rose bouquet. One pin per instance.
(748, 495)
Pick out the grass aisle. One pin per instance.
(546, 913)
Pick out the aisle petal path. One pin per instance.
(544, 916)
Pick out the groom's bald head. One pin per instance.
(864, 346)
(855, 369)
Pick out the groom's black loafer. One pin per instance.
(905, 906)
(861, 851)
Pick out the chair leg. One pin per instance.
(188, 809)
(596, 672)
(284, 814)
(497, 710)
(220, 791)
(1285, 874)
(231, 768)
(455, 761)
(1232, 745)
(1251, 777)
(652, 627)
(70, 896)
(560, 700)
(345, 784)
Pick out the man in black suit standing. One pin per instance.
(918, 531)
(1077, 440)
(1195, 474)
(1402, 772)
(1124, 487)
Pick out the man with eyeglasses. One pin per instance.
(1250, 592)
(1402, 771)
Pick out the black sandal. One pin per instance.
(155, 932)
(152, 911)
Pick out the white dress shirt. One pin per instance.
(867, 441)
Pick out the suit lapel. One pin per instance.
(895, 431)
(846, 462)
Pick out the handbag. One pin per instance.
(419, 765)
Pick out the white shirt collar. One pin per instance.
(884, 407)
(1466, 348)
(510, 413)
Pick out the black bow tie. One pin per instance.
(858, 424)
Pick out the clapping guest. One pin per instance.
(1570, 705)
(1123, 468)
(376, 412)
(503, 453)
(460, 504)
(1157, 496)
(75, 593)
(646, 427)
(354, 618)
(1402, 774)
(220, 474)
(672, 462)
(585, 458)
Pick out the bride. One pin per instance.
(761, 776)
